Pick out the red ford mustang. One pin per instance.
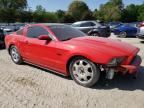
(67, 51)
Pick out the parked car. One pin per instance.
(140, 34)
(92, 28)
(68, 51)
(113, 25)
(2, 36)
(125, 30)
(3, 33)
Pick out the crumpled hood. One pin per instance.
(103, 45)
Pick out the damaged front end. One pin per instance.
(123, 65)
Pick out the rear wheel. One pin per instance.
(84, 72)
(15, 55)
(123, 35)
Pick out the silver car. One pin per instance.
(92, 28)
(140, 34)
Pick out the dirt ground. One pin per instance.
(26, 86)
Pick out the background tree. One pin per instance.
(68, 18)
(77, 9)
(130, 13)
(118, 3)
(60, 15)
(13, 4)
(9, 8)
(141, 12)
(109, 12)
(113, 10)
(40, 15)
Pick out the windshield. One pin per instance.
(65, 32)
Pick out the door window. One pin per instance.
(36, 31)
(87, 24)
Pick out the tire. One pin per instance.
(94, 34)
(123, 35)
(15, 55)
(84, 72)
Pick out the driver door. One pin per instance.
(37, 51)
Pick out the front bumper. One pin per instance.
(133, 67)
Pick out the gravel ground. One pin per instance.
(26, 86)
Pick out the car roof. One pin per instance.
(79, 22)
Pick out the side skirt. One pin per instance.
(54, 71)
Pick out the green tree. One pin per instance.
(68, 18)
(50, 17)
(7, 15)
(77, 9)
(40, 15)
(13, 4)
(24, 16)
(141, 12)
(130, 13)
(109, 12)
(60, 15)
(118, 3)
(9, 8)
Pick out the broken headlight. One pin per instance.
(116, 61)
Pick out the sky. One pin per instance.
(54, 5)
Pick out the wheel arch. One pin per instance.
(10, 47)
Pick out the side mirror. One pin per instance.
(44, 37)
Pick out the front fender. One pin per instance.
(95, 57)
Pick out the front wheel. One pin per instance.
(84, 72)
(94, 34)
(15, 55)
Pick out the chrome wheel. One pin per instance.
(14, 54)
(82, 71)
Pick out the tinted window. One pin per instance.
(36, 31)
(87, 24)
(64, 32)
(92, 24)
(20, 32)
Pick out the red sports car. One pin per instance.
(67, 51)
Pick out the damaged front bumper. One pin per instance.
(132, 68)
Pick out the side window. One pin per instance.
(93, 24)
(35, 31)
(20, 32)
(86, 24)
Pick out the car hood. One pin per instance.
(102, 45)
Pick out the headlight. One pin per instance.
(116, 61)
